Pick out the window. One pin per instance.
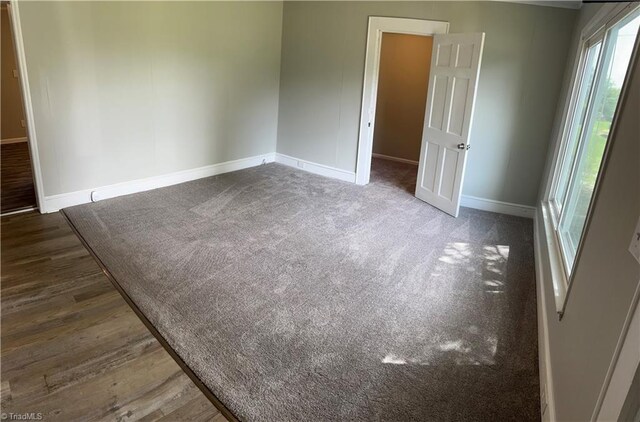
(605, 58)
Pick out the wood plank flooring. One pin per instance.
(16, 179)
(72, 349)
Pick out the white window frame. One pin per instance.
(608, 16)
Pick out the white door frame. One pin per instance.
(18, 43)
(378, 26)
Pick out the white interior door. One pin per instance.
(455, 66)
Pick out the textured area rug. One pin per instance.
(296, 297)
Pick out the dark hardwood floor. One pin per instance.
(16, 177)
(72, 349)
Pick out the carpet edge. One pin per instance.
(152, 329)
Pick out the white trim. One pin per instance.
(607, 16)
(498, 206)
(13, 140)
(56, 202)
(26, 98)
(349, 176)
(311, 167)
(559, 278)
(622, 368)
(377, 26)
(20, 211)
(390, 158)
(544, 352)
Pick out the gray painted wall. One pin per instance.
(582, 344)
(127, 90)
(11, 101)
(323, 53)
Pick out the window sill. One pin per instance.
(558, 276)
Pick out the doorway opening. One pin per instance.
(16, 178)
(403, 81)
(448, 111)
(398, 51)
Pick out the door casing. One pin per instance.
(378, 26)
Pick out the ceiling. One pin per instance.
(566, 4)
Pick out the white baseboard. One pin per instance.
(56, 202)
(498, 206)
(13, 140)
(548, 414)
(321, 169)
(466, 201)
(390, 158)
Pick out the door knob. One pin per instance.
(463, 146)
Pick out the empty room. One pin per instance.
(320, 211)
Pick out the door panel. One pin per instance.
(455, 67)
(458, 106)
(447, 181)
(464, 59)
(438, 104)
(429, 179)
(443, 58)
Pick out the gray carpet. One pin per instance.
(295, 297)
